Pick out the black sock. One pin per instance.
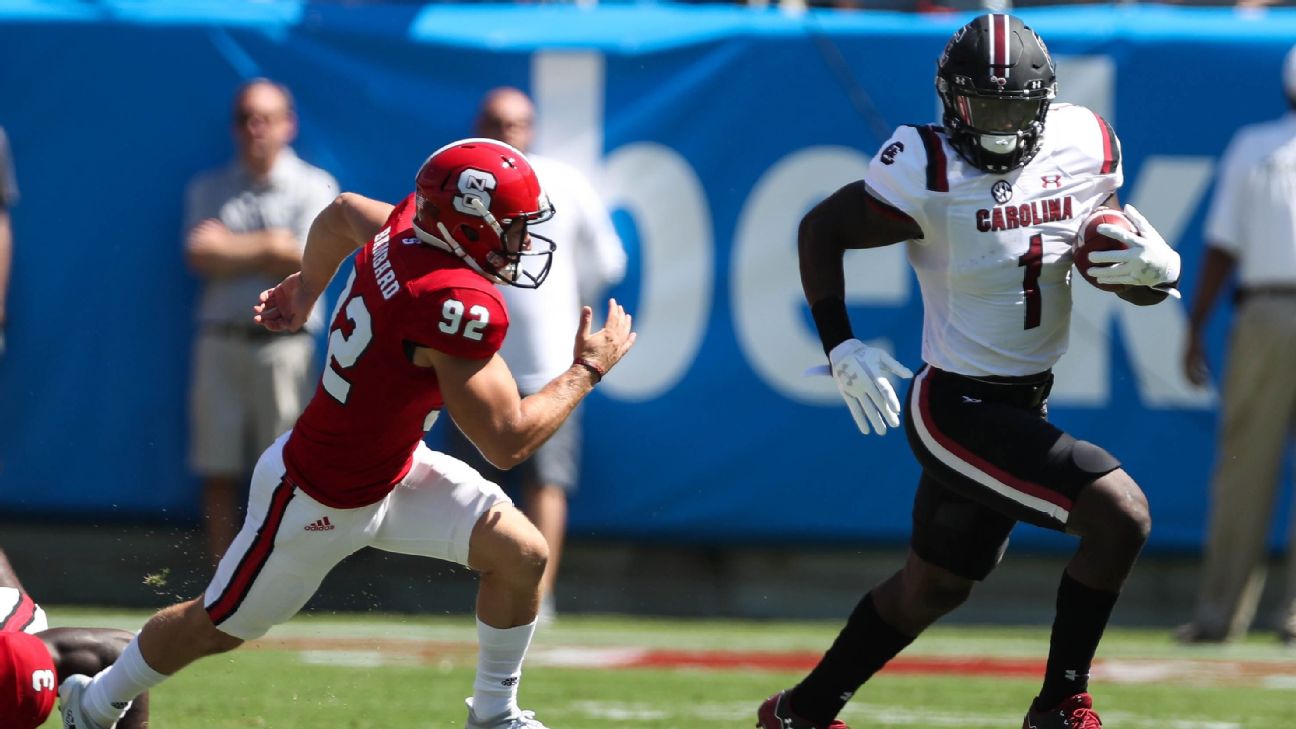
(861, 649)
(1082, 614)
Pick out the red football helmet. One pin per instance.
(475, 199)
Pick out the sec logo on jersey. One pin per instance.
(1002, 191)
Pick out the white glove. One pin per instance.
(860, 373)
(1149, 260)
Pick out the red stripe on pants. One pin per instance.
(977, 462)
(254, 559)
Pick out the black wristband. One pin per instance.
(832, 321)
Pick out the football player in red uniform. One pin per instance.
(415, 331)
(33, 657)
(987, 206)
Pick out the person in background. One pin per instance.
(590, 259)
(1250, 231)
(246, 224)
(8, 196)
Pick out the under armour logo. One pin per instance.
(1051, 180)
(1074, 675)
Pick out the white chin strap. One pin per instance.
(998, 143)
(447, 243)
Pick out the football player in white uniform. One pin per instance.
(987, 206)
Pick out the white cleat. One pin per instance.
(521, 720)
(70, 693)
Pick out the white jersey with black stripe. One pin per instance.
(994, 265)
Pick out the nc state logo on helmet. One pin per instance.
(475, 199)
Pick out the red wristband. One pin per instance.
(594, 369)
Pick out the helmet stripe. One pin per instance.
(1005, 45)
(992, 48)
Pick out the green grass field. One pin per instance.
(384, 672)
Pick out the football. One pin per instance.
(1089, 240)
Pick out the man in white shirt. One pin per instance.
(1251, 229)
(589, 258)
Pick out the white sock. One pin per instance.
(499, 668)
(110, 693)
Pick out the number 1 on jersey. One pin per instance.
(345, 349)
(1033, 260)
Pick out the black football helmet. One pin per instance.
(995, 81)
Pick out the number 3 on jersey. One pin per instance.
(344, 349)
(43, 680)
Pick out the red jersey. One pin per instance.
(28, 683)
(356, 439)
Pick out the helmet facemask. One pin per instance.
(523, 258)
(994, 132)
(515, 259)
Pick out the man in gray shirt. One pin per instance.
(8, 196)
(246, 225)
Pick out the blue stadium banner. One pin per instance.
(710, 130)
